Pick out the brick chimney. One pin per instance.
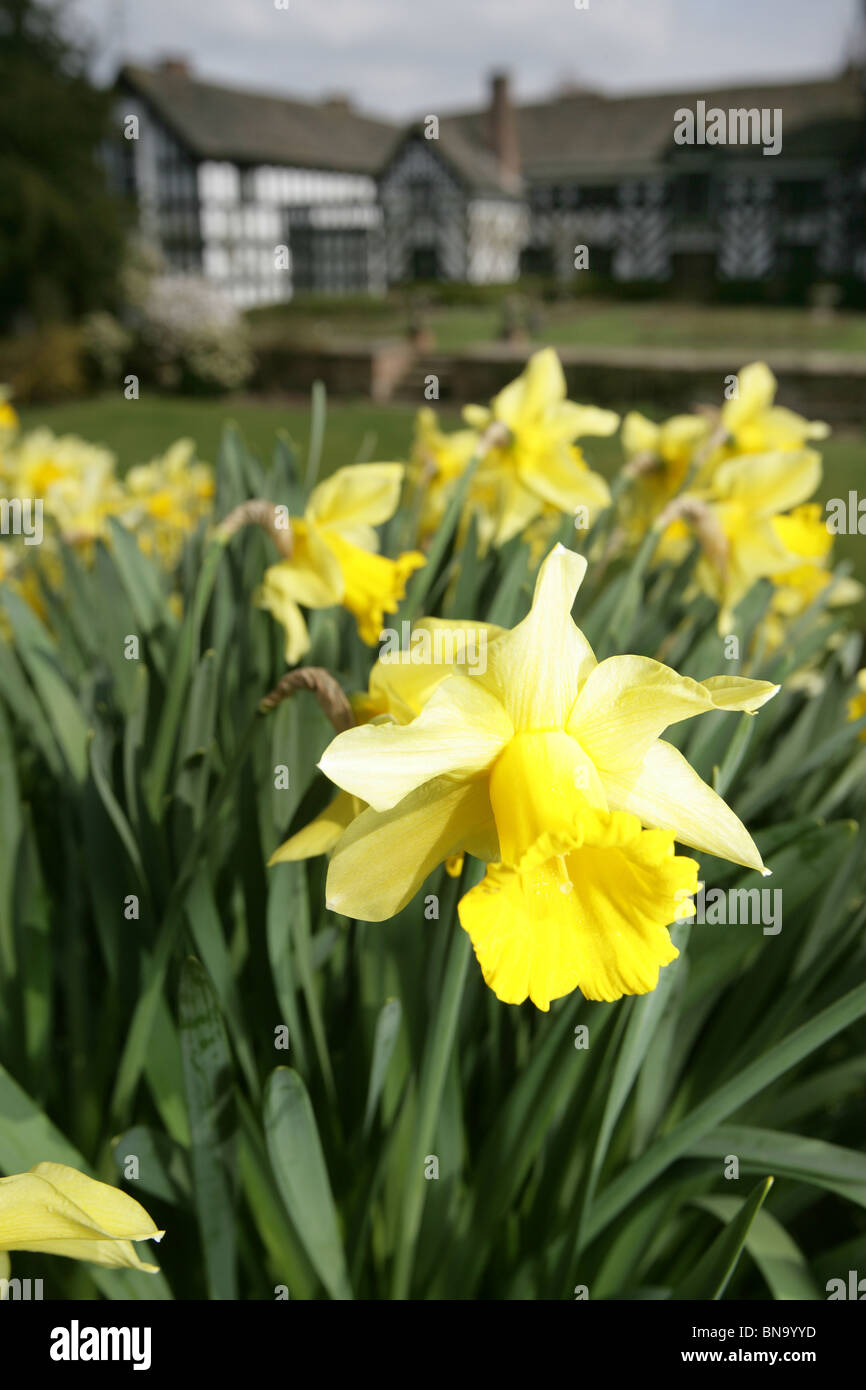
(502, 126)
(338, 101)
(174, 66)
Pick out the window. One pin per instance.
(422, 197)
(425, 263)
(794, 196)
(692, 196)
(536, 260)
(599, 196)
(539, 198)
(329, 259)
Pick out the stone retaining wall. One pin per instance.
(828, 386)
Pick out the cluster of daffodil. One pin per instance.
(56, 1210)
(549, 767)
(737, 479)
(740, 479)
(78, 489)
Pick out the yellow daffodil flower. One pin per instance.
(546, 765)
(671, 444)
(79, 490)
(529, 462)
(436, 464)
(755, 425)
(55, 1210)
(75, 481)
(658, 458)
(334, 556)
(166, 498)
(804, 534)
(743, 507)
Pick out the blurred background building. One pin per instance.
(268, 196)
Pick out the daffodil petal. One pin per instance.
(312, 576)
(54, 1209)
(459, 732)
(362, 494)
(405, 681)
(567, 484)
(756, 390)
(739, 692)
(113, 1209)
(478, 416)
(628, 701)
(517, 505)
(580, 421)
(540, 664)
(639, 435)
(665, 793)
(321, 834)
(384, 857)
(771, 482)
(271, 597)
(541, 385)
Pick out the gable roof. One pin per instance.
(590, 133)
(475, 167)
(216, 122)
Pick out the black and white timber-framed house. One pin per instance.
(223, 179)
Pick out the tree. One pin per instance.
(61, 229)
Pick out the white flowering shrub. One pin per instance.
(193, 336)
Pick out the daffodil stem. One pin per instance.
(423, 580)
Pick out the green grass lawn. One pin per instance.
(138, 430)
(577, 322)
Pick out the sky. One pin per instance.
(409, 57)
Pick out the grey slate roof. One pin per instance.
(586, 135)
(590, 134)
(216, 122)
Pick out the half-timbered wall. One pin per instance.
(163, 177)
(643, 231)
(497, 229)
(747, 225)
(426, 217)
(228, 222)
(247, 214)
